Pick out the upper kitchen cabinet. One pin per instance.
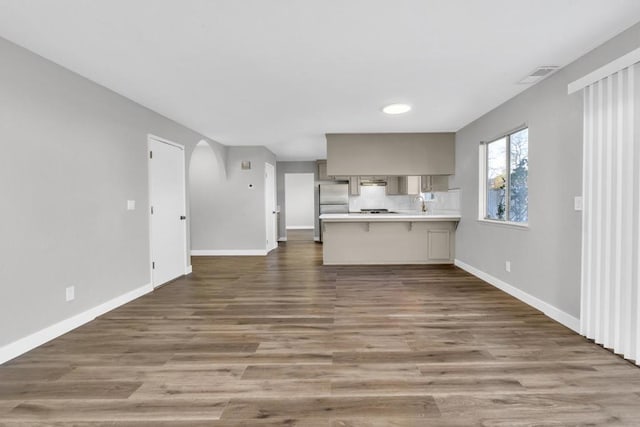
(322, 173)
(403, 185)
(392, 154)
(409, 185)
(429, 184)
(354, 185)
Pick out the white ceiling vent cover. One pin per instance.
(538, 74)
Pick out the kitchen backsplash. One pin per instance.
(372, 197)
(446, 201)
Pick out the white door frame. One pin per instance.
(151, 137)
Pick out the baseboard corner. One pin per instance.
(549, 310)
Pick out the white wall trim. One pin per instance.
(605, 71)
(23, 345)
(316, 238)
(228, 252)
(282, 239)
(188, 270)
(549, 310)
(299, 227)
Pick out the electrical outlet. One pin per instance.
(507, 266)
(71, 293)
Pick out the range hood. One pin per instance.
(373, 182)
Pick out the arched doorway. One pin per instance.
(206, 175)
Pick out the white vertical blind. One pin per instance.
(610, 305)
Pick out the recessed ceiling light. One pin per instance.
(396, 109)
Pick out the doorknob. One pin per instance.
(182, 217)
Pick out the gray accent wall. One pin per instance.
(295, 167)
(73, 153)
(228, 203)
(545, 259)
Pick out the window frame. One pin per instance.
(483, 190)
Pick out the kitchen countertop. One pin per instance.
(403, 216)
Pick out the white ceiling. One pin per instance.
(282, 73)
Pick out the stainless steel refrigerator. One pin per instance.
(334, 198)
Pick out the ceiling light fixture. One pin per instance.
(396, 109)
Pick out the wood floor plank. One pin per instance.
(425, 387)
(461, 356)
(18, 390)
(339, 407)
(232, 389)
(105, 411)
(33, 373)
(282, 340)
(333, 372)
(173, 374)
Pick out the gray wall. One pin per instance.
(73, 153)
(295, 167)
(545, 259)
(227, 214)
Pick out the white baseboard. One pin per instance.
(282, 239)
(188, 270)
(549, 310)
(300, 227)
(228, 252)
(21, 346)
(316, 238)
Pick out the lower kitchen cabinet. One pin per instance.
(352, 241)
(439, 245)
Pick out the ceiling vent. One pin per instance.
(538, 74)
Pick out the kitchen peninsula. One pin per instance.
(388, 238)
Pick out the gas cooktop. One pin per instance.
(376, 211)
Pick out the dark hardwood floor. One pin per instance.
(282, 340)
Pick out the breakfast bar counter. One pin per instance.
(388, 238)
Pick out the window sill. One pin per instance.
(508, 224)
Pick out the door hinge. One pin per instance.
(151, 210)
(151, 154)
(153, 265)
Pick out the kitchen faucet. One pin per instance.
(423, 205)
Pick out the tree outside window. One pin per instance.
(507, 169)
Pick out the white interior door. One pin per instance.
(270, 205)
(167, 200)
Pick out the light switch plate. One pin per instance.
(70, 293)
(131, 205)
(577, 203)
(507, 266)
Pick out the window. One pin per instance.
(504, 168)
